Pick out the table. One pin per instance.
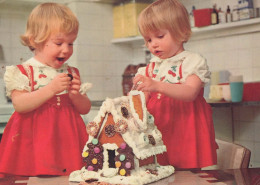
(250, 176)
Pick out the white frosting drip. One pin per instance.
(106, 147)
(138, 177)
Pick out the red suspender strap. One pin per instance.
(146, 70)
(30, 76)
(32, 79)
(69, 70)
(149, 70)
(180, 71)
(21, 68)
(73, 70)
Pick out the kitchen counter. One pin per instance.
(248, 176)
(228, 104)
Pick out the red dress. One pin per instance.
(46, 141)
(187, 127)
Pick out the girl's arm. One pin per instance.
(187, 91)
(24, 101)
(80, 101)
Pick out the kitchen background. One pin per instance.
(102, 59)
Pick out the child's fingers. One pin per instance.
(76, 79)
(137, 81)
(71, 76)
(137, 78)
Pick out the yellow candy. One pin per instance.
(118, 164)
(94, 161)
(85, 154)
(122, 172)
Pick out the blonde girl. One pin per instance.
(173, 82)
(46, 134)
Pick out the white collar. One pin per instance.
(173, 58)
(35, 63)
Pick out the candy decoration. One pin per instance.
(110, 130)
(85, 154)
(96, 150)
(150, 119)
(118, 164)
(121, 126)
(122, 172)
(95, 155)
(122, 157)
(71, 77)
(92, 128)
(128, 165)
(94, 141)
(124, 112)
(123, 146)
(151, 140)
(90, 168)
(94, 161)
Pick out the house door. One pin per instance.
(111, 158)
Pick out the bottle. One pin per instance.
(221, 16)
(235, 14)
(192, 21)
(214, 16)
(228, 15)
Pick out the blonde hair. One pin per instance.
(166, 14)
(45, 19)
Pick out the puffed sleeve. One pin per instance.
(141, 71)
(15, 80)
(195, 64)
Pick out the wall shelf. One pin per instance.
(128, 40)
(212, 31)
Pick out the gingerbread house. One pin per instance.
(123, 144)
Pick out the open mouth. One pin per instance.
(60, 59)
(157, 52)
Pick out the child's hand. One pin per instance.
(143, 83)
(75, 85)
(60, 83)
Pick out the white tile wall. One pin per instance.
(103, 63)
(12, 25)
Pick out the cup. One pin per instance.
(215, 92)
(226, 92)
(236, 88)
(214, 78)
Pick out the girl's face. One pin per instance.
(162, 44)
(56, 50)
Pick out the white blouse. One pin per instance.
(42, 74)
(167, 70)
